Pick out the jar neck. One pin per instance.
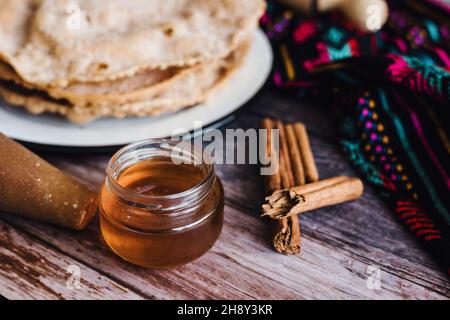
(182, 203)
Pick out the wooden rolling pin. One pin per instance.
(367, 15)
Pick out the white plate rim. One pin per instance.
(19, 125)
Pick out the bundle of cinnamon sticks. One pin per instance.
(295, 187)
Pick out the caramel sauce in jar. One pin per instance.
(157, 212)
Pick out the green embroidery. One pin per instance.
(353, 151)
(413, 158)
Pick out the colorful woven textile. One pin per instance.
(391, 93)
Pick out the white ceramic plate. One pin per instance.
(55, 131)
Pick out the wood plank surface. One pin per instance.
(340, 244)
(30, 269)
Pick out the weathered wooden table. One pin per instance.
(342, 245)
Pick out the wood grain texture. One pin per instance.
(339, 243)
(30, 270)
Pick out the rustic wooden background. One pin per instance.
(339, 243)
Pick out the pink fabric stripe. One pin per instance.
(401, 45)
(418, 127)
(443, 55)
(441, 4)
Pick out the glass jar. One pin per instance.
(161, 205)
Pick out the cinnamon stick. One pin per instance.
(311, 173)
(273, 182)
(287, 178)
(314, 186)
(295, 156)
(287, 233)
(301, 164)
(297, 200)
(286, 238)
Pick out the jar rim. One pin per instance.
(144, 198)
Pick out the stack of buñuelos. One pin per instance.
(88, 59)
